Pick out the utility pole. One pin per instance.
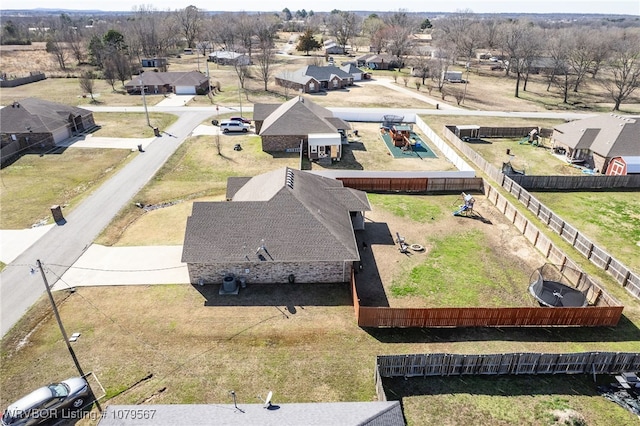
(144, 102)
(240, 96)
(57, 315)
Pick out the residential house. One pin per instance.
(332, 48)
(160, 63)
(180, 83)
(370, 413)
(224, 57)
(36, 122)
(357, 74)
(283, 226)
(313, 79)
(382, 61)
(288, 127)
(595, 141)
(545, 65)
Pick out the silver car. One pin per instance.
(48, 402)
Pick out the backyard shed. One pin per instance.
(468, 131)
(622, 166)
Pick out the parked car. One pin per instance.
(48, 402)
(234, 126)
(244, 120)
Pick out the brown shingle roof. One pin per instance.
(299, 215)
(37, 116)
(298, 116)
(606, 135)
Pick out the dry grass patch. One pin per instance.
(33, 183)
(130, 124)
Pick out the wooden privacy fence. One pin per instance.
(412, 185)
(607, 312)
(443, 364)
(599, 257)
(591, 316)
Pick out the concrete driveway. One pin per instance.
(100, 265)
(90, 141)
(174, 100)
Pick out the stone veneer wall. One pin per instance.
(269, 272)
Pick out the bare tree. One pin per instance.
(223, 32)
(560, 45)
(109, 74)
(155, 31)
(398, 35)
(122, 64)
(421, 63)
(265, 59)
(87, 83)
(624, 65)
(581, 56)
(343, 26)
(519, 42)
(56, 46)
(399, 42)
(372, 29)
(245, 30)
(242, 71)
(190, 21)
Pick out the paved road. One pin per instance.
(59, 248)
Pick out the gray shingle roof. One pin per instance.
(299, 215)
(324, 73)
(607, 135)
(191, 78)
(387, 413)
(37, 115)
(297, 116)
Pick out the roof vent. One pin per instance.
(290, 178)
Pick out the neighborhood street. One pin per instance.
(59, 248)
(62, 246)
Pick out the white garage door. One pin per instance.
(60, 134)
(185, 90)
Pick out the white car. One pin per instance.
(234, 126)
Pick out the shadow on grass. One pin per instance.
(478, 142)
(347, 161)
(505, 385)
(626, 331)
(368, 281)
(289, 295)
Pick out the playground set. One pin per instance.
(401, 140)
(466, 209)
(532, 138)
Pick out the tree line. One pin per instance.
(604, 50)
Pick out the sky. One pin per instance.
(624, 7)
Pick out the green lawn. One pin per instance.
(609, 219)
(130, 124)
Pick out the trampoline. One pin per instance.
(555, 294)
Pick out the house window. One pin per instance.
(314, 149)
(312, 87)
(335, 83)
